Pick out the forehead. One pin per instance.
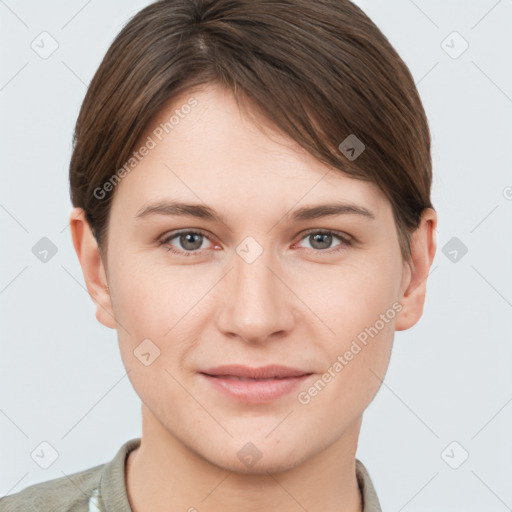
(203, 147)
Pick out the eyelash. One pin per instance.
(346, 241)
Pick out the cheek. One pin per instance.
(152, 298)
(157, 303)
(358, 306)
(351, 297)
(356, 348)
(153, 306)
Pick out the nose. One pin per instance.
(256, 304)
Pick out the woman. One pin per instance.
(251, 188)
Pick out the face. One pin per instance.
(256, 273)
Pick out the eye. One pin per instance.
(190, 242)
(321, 240)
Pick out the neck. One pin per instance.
(163, 474)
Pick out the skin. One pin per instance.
(299, 303)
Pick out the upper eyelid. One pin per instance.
(344, 237)
(172, 235)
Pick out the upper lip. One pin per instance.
(263, 372)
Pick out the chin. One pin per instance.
(257, 457)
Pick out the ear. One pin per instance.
(93, 270)
(416, 270)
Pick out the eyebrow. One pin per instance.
(175, 208)
(325, 210)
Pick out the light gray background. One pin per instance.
(450, 379)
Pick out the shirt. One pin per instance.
(102, 488)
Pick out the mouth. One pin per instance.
(255, 385)
(246, 379)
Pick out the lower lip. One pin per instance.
(255, 391)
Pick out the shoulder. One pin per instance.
(371, 502)
(99, 487)
(63, 494)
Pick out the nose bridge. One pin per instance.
(256, 304)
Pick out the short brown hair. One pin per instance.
(319, 71)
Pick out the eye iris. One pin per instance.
(325, 240)
(189, 237)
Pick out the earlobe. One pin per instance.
(414, 283)
(93, 269)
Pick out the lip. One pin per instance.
(255, 385)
